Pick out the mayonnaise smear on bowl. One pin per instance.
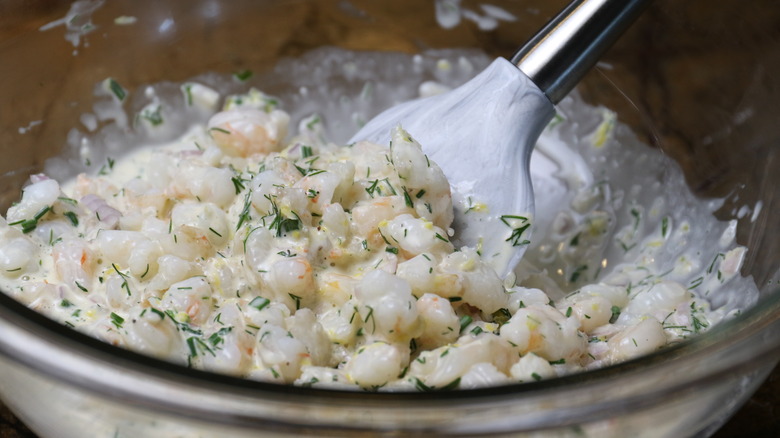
(251, 248)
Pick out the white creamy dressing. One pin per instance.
(306, 262)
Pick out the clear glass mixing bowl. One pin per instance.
(698, 79)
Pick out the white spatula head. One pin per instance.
(481, 134)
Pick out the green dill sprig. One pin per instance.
(407, 198)
(218, 129)
(238, 184)
(281, 223)
(107, 168)
(615, 314)
(465, 320)
(259, 303)
(74, 220)
(29, 225)
(296, 299)
(371, 189)
(124, 277)
(243, 75)
(370, 315)
(517, 231)
(244, 215)
(217, 337)
(117, 320)
(118, 91)
(198, 347)
(152, 116)
(421, 386)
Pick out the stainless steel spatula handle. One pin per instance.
(560, 54)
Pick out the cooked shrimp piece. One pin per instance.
(481, 375)
(387, 307)
(153, 333)
(230, 345)
(246, 131)
(374, 365)
(18, 256)
(202, 183)
(284, 353)
(546, 332)
(35, 198)
(637, 340)
(171, 269)
(207, 218)
(190, 300)
(292, 279)
(441, 324)
(143, 194)
(335, 222)
(444, 365)
(432, 196)
(329, 186)
(477, 283)
(99, 186)
(415, 235)
(368, 214)
(74, 263)
(419, 273)
(304, 326)
(130, 249)
(341, 323)
(531, 368)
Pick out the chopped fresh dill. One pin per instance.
(117, 320)
(116, 89)
(615, 314)
(465, 320)
(243, 75)
(74, 220)
(259, 303)
(238, 184)
(244, 215)
(517, 229)
(407, 198)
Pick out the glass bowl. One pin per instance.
(698, 79)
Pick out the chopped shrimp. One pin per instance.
(246, 131)
(74, 262)
(17, 256)
(35, 198)
(367, 215)
(190, 300)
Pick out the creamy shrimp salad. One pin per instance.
(236, 250)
